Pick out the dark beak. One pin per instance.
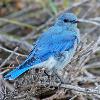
(77, 21)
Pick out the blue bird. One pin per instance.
(54, 48)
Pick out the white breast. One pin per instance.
(68, 56)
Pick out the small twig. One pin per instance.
(84, 90)
(9, 57)
(20, 96)
(95, 90)
(89, 22)
(16, 23)
(1, 73)
(13, 43)
(20, 13)
(27, 37)
(93, 65)
(9, 86)
(9, 51)
(88, 79)
(73, 97)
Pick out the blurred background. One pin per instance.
(22, 21)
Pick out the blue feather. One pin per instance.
(56, 39)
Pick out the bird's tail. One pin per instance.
(18, 71)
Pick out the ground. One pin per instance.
(21, 23)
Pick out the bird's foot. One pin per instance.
(62, 81)
(49, 76)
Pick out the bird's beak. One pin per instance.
(77, 21)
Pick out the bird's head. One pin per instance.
(68, 20)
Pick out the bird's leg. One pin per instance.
(58, 76)
(48, 75)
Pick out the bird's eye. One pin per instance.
(66, 20)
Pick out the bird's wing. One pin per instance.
(50, 45)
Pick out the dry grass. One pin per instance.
(82, 75)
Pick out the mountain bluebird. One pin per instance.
(54, 49)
